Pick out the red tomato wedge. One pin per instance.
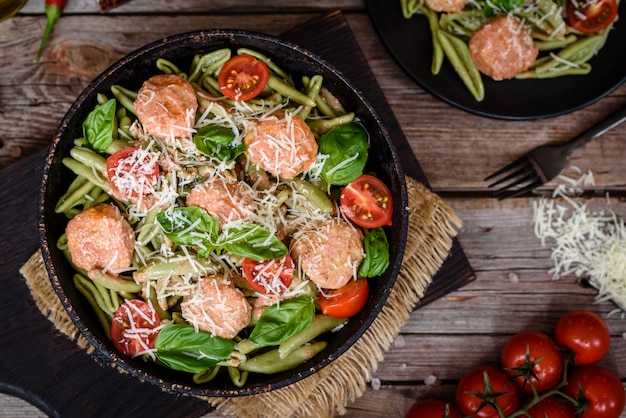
(591, 16)
(346, 301)
(132, 172)
(367, 202)
(135, 327)
(242, 77)
(269, 276)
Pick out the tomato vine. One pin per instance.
(540, 377)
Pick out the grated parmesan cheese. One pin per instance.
(587, 244)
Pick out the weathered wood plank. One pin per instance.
(202, 6)
(388, 400)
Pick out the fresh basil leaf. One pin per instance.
(217, 142)
(193, 226)
(181, 347)
(190, 226)
(376, 258)
(252, 241)
(347, 149)
(99, 126)
(283, 320)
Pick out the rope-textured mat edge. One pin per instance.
(432, 227)
(34, 271)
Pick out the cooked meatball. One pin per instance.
(282, 144)
(223, 199)
(448, 6)
(99, 238)
(217, 307)
(133, 176)
(330, 254)
(503, 47)
(166, 106)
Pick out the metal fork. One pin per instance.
(544, 163)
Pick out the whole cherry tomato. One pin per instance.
(585, 333)
(472, 391)
(552, 407)
(534, 359)
(432, 408)
(599, 389)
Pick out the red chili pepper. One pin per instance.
(54, 9)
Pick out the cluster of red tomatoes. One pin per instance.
(541, 376)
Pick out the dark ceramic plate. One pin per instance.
(409, 42)
(130, 72)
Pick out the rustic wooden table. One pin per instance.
(513, 289)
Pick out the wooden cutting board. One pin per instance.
(44, 367)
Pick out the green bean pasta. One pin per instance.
(514, 39)
(212, 222)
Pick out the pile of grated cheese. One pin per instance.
(585, 243)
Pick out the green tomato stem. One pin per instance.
(556, 391)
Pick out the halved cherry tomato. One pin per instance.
(132, 172)
(346, 301)
(367, 202)
(585, 333)
(269, 276)
(591, 16)
(597, 388)
(432, 408)
(135, 327)
(533, 359)
(242, 77)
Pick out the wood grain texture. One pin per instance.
(513, 289)
(203, 6)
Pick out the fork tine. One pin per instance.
(530, 177)
(523, 170)
(518, 192)
(506, 168)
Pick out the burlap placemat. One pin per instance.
(432, 226)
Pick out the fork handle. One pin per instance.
(596, 130)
